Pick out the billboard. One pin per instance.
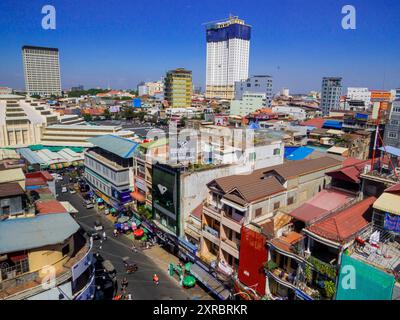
(166, 195)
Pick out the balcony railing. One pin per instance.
(30, 283)
(211, 231)
(234, 217)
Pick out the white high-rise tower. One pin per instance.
(228, 46)
(41, 70)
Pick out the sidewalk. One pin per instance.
(163, 258)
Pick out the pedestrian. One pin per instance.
(115, 232)
(104, 236)
(155, 279)
(134, 248)
(124, 284)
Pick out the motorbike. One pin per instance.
(130, 267)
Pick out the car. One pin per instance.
(64, 189)
(88, 204)
(98, 226)
(94, 234)
(72, 191)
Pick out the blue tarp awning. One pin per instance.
(297, 153)
(391, 150)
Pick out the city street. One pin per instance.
(140, 285)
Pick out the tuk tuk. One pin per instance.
(109, 268)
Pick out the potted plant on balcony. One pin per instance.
(329, 289)
(270, 265)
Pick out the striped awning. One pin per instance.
(388, 202)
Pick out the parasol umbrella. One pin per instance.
(189, 281)
(138, 233)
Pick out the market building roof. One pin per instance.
(30, 156)
(39, 231)
(119, 146)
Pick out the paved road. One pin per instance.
(140, 285)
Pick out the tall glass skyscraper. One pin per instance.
(228, 46)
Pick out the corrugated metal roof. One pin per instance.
(29, 233)
(337, 150)
(119, 146)
(30, 156)
(11, 175)
(10, 189)
(388, 202)
(332, 124)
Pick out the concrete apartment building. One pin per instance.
(109, 169)
(392, 127)
(359, 94)
(178, 189)
(330, 94)
(41, 70)
(43, 241)
(238, 200)
(178, 88)
(150, 88)
(228, 46)
(255, 84)
(249, 103)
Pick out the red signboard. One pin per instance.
(252, 256)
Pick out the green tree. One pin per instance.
(141, 115)
(107, 114)
(87, 117)
(128, 114)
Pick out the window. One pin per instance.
(258, 212)
(277, 205)
(65, 250)
(290, 201)
(5, 210)
(277, 151)
(392, 134)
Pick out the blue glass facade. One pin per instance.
(233, 31)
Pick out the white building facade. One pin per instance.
(359, 94)
(250, 102)
(41, 70)
(228, 47)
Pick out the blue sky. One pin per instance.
(120, 43)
